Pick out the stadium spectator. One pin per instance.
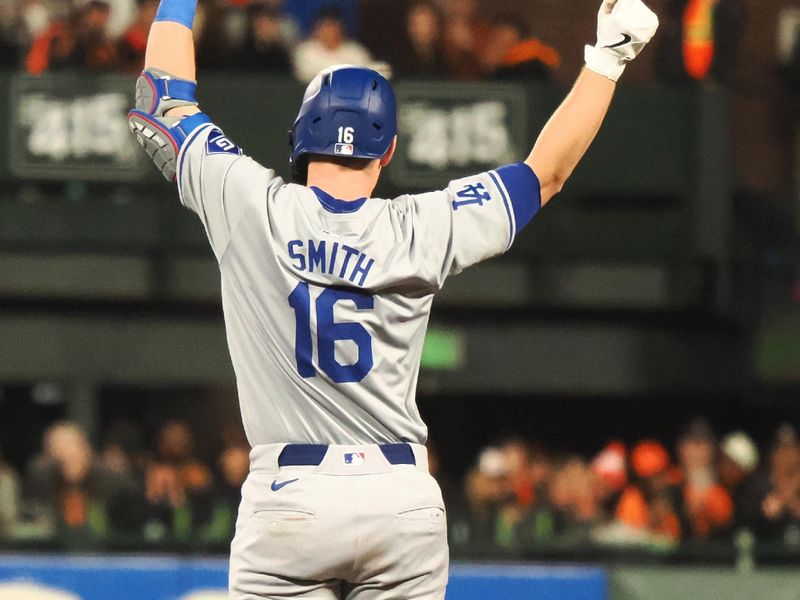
(78, 42)
(789, 43)
(573, 497)
(233, 466)
(9, 499)
(508, 496)
(700, 40)
(610, 469)
(421, 55)
(521, 490)
(788, 35)
(290, 28)
(230, 32)
(68, 486)
(707, 506)
(647, 508)
(537, 524)
(219, 31)
(487, 493)
(305, 13)
(739, 474)
(512, 53)
(177, 485)
(122, 14)
(132, 45)
(327, 46)
(451, 490)
(12, 28)
(264, 49)
(781, 507)
(24, 20)
(465, 37)
(126, 507)
(121, 441)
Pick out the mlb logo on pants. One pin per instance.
(355, 458)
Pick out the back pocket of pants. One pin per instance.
(279, 541)
(425, 514)
(286, 516)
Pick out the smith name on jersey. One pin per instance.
(331, 257)
(327, 302)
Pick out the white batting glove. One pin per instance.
(623, 29)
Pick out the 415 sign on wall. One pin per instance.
(457, 131)
(64, 130)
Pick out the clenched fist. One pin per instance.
(623, 28)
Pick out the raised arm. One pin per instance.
(624, 28)
(166, 110)
(170, 46)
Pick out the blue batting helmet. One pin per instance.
(347, 111)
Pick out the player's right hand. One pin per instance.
(623, 29)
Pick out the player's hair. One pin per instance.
(356, 164)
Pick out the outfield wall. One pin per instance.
(170, 578)
(173, 578)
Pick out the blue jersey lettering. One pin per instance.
(472, 194)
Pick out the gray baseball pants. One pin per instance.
(354, 527)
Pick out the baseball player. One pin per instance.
(327, 293)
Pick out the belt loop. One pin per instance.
(398, 454)
(302, 455)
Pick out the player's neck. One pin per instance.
(343, 182)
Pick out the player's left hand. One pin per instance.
(624, 27)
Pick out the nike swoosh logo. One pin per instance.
(625, 39)
(276, 486)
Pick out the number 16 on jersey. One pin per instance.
(329, 332)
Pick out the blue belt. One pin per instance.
(311, 455)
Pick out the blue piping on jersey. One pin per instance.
(335, 205)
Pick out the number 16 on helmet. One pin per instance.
(350, 112)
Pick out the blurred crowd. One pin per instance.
(518, 495)
(444, 39)
(522, 495)
(125, 491)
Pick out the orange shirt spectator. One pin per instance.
(78, 42)
(55, 41)
(648, 505)
(698, 37)
(707, 509)
(511, 53)
(656, 516)
(707, 505)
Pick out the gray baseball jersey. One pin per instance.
(327, 302)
